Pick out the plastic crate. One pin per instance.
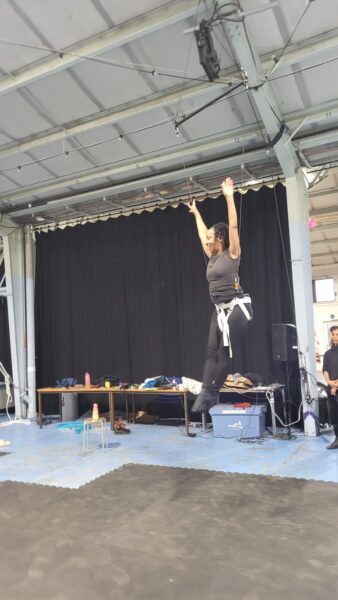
(230, 421)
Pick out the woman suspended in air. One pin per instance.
(233, 310)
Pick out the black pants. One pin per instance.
(332, 407)
(217, 361)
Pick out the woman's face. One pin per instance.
(213, 244)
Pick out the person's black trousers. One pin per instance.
(216, 367)
(332, 408)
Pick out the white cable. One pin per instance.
(7, 379)
(8, 382)
(270, 398)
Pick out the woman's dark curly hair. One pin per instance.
(222, 233)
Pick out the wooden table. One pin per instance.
(110, 392)
(77, 390)
(159, 392)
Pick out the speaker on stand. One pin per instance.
(285, 350)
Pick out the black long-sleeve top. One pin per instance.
(330, 362)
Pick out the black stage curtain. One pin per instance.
(129, 296)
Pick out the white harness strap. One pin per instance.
(224, 311)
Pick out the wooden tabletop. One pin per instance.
(91, 390)
(75, 390)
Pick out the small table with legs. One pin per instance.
(256, 393)
(76, 390)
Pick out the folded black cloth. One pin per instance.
(255, 378)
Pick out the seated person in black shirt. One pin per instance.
(330, 372)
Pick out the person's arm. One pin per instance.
(329, 381)
(326, 373)
(201, 227)
(228, 193)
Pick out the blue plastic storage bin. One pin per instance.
(230, 421)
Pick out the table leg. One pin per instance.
(84, 443)
(273, 414)
(127, 406)
(133, 406)
(40, 409)
(186, 413)
(111, 410)
(60, 406)
(286, 410)
(286, 413)
(204, 422)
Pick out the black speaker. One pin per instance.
(284, 342)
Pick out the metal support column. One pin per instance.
(30, 324)
(13, 250)
(281, 143)
(298, 212)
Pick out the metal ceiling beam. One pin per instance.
(327, 137)
(327, 226)
(325, 192)
(323, 212)
(327, 266)
(154, 20)
(160, 157)
(178, 152)
(138, 184)
(117, 114)
(306, 49)
(209, 144)
(319, 243)
(111, 116)
(263, 96)
(137, 206)
(325, 255)
(124, 33)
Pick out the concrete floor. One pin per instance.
(53, 456)
(158, 533)
(219, 527)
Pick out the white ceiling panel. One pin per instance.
(4, 139)
(62, 166)
(62, 23)
(177, 57)
(118, 11)
(14, 29)
(32, 174)
(111, 151)
(18, 118)
(320, 17)
(112, 85)
(62, 97)
(270, 30)
(6, 185)
(323, 82)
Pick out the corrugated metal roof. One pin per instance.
(90, 91)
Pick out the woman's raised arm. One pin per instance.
(228, 192)
(201, 227)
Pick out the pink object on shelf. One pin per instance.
(312, 223)
(87, 379)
